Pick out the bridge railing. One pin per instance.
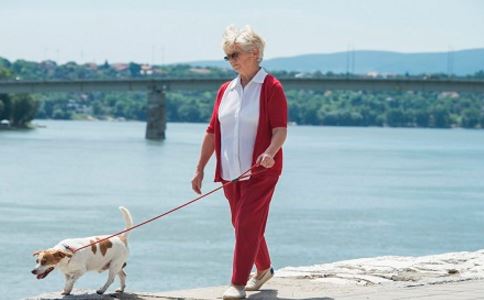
(399, 84)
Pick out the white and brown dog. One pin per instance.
(107, 255)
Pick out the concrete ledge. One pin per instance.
(458, 275)
(305, 289)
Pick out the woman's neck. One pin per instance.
(246, 77)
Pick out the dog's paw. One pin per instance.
(100, 292)
(65, 293)
(120, 291)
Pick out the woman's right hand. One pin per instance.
(197, 182)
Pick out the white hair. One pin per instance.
(245, 38)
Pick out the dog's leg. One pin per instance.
(122, 280)
(68, 285)
(111, 276)
(70, 280)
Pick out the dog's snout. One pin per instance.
(34, 271)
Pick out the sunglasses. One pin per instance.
(232, 56)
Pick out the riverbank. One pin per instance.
(458, 275)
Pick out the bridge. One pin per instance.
(156, 88)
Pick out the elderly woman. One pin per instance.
(247, 128)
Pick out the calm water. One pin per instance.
(345, 193)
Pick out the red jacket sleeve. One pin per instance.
(218, 98)
(211, 125)
(277, 107)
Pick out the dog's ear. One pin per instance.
(36, 253)
(62, 254)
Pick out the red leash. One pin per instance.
(242, 176)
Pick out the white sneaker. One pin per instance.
(234, 292)
(255, 284)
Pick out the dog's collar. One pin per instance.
(69, 248)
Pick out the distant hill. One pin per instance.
(464, 62)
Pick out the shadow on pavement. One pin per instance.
(272, 295)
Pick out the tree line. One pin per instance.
(18, 110)
(330, 108)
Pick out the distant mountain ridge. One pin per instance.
(462, 62)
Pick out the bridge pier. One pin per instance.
(156, 115)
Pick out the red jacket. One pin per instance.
(272, 114)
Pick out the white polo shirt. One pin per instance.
(238, 115)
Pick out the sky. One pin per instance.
(164, 32)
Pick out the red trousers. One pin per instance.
(249, 204)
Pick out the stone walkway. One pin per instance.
(448, 276)
(304, 289)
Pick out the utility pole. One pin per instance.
(450, 62)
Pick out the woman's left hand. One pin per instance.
(265, 160)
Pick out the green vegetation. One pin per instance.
(332, 108)
(17, 110)
(407, 109)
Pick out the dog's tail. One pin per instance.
(127, 218)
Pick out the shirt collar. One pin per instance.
(234, 83)
(258, 78)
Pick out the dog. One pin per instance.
(109, 255)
